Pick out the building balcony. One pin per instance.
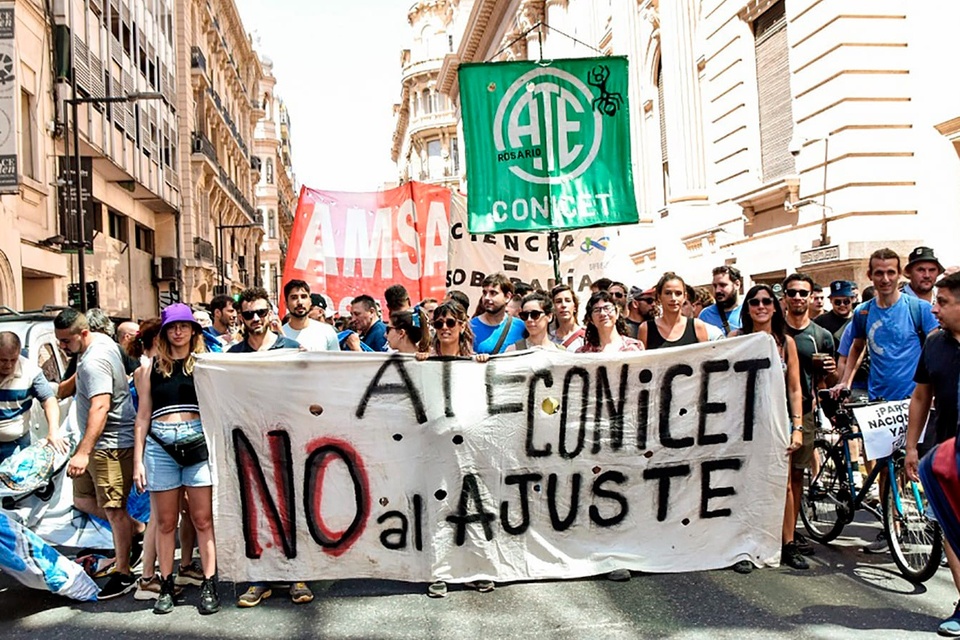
(198, 62)
(419, 67)
(215, 100)
(201, 149)
(436, 120)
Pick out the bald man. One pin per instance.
(126, 332)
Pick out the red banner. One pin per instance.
(345, 244)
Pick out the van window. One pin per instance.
(47, 360)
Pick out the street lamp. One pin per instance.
(75, 180)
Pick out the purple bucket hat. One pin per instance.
(178, 312)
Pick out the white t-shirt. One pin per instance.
(316, 336)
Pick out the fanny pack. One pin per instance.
(186, 453)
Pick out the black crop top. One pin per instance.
(173, 394)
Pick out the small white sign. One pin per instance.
(884, 427)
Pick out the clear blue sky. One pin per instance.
(337, 64)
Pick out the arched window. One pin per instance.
(661, 112)
(269, 171)
(272, 224)
(426, 103)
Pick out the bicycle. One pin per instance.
(829, 503)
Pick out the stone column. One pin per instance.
(684, 112)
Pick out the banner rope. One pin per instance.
(538, 25)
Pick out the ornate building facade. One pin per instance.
(771, 134)
(425, 142)
(129, 174)
(219, 108)
(276, 191)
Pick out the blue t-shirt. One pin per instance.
(283, 342)
(711, 315)
(894, 345)
(863, 373)
(376, 336)
(486, 337)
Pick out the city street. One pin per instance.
(846, 594)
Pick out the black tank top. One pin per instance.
(174, 394)
(657, 341)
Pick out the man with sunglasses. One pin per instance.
(254, 313)
(842, 299)
(641, 307)
(725, 313)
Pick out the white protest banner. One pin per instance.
(535, 465)
(585, 255)
(884, 427)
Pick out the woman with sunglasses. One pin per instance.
(672, 328)
(566, 332)
(407, 331)
(453, 337)
(764, 315)
(536, 312)
(604, 326)
(168, 414)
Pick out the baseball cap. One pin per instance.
(841, 289)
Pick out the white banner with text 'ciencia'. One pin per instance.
(530, 466)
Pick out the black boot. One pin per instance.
(209, 597)
(164, 603)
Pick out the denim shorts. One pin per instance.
(163, 473)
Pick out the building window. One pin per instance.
(434, 159)
(272, 224)
(664, 160)
(455, 155)
(27, 142)
(773, 87)
(117, 226)
(144, 238)
(426, 102)
(269, 171)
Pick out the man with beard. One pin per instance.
(311, 334)
(640, 308)
(254, 312)
(842, 299)
(725, 314)
(817, 367)
(923, 269)
(494, 330)
(224, 316)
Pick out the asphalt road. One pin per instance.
(846, 594)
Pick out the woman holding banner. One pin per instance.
(604, 327)
(536, 312)
(672, 328)
(765, 315)
(567, 332)
(170, 451)
(452, 338)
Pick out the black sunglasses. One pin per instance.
(530, 315)
(449, 322)
(793, 293)
(756, 302)
(837, 301)
(249, 315)
(618, 294)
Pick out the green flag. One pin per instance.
(547, 144)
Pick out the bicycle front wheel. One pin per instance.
(915, 541)
(825, 503)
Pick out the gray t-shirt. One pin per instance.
(100, 371)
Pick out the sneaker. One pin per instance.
(300, 593)
(164, 603)
(879, 545)
(189, 574)
(950, 627)
(483, 586)
(744, 567)
(437, 589)
(619, 575)
(147, 588)
(136, 549)
(253, 596)
(804, 546)
(790, 556)
(117, 585)
(209, 597)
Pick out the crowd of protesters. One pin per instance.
(141, 422)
